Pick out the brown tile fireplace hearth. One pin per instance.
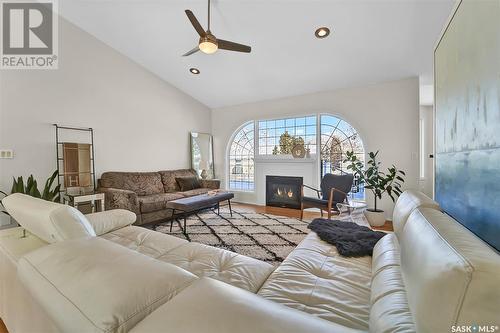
(283, 191)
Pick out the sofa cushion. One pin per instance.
(390, 311)
(451, 276)
(155, 202)
(314, 278)
(199, 259)
(168, 178)
(196, 191)
(407, 202)
(210, 306)
(50, 221)
(207, 261)
(142, 183)
(188, 183)
(98, 286)
(150, 243)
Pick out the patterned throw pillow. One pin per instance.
(187, 183)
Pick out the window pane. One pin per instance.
(241, 158)
(311, 120)
(338, 137)
(311, 130)
(282, 134)
(290, 122)
(291, 130)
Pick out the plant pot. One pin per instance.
(375, 218)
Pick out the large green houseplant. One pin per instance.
(377, 181)
(31, 188)
(49, 192)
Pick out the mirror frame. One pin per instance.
(211, 169)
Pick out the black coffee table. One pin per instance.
(186, 206)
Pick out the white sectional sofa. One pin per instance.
(97, 273)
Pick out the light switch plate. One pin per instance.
(6, 153)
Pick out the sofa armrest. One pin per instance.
(120, 199)
(222, 308)
(212, 184)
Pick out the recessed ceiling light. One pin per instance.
(195, 71)
(322, 32)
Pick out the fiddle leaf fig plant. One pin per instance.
(374, 179)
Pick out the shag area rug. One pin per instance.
(265, 237)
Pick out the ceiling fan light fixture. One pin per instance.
(322, 32)
(208, 45)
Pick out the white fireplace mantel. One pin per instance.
(307, 168)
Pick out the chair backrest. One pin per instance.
(340, 182)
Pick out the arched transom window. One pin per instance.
(337, 138)
(241, 159)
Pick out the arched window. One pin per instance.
(241, 159)
(338, 137)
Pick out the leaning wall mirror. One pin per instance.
(202, 154)
(75, 159)
(77, 167)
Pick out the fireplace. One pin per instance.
(282, 191)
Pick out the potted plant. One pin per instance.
(48, 193)
(376, 181)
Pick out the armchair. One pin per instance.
(334, 190)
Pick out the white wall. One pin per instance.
(386, 116)
(141, 122)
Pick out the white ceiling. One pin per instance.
(371, 41)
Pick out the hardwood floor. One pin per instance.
(3, 329)
(288, 212)
(296, 213)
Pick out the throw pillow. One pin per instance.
(188, 183)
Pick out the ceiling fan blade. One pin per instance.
(196, 49)
(231, 46)
(195, 23)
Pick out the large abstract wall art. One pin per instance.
(467, 105)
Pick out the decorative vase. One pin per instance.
(375, 218)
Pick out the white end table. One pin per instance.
(77, 199)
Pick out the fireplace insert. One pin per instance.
(283, 191)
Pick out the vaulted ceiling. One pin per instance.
(371, 41)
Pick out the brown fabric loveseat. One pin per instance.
(146, 193)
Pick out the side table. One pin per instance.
(76, 199)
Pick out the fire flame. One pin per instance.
(283, 192)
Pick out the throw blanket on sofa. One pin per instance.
(351, 239)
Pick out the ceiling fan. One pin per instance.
(208, 43)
